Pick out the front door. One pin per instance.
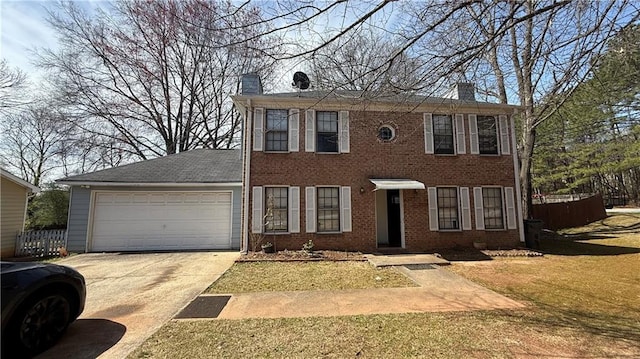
(393, 218)
(388, 218)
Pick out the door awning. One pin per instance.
(396, 184)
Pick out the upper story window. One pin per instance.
(386, 133)
(277, 136)
(487, 135)
(443, 134)
(276, 130)
(326, 131)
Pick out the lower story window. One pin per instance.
(492, 202)
(448, 208)
(328, 209)
(276, 200)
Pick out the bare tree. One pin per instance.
(143, 78)
(12, 82)
(32, 141)
(365, 60)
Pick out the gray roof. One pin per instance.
(195, 166)
(371, 96)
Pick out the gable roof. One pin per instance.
(373, 101)
(202, 166)
(15, 179)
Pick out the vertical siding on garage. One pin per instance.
(80, 208)
(78, 219)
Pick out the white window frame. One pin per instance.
(463, 209)
(343, 132)
(259, 208)
(478, 199)
(344, 209)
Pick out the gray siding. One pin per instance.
(80, 207)
(78, 219)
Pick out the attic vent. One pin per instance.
(462, 91)
(251, 84)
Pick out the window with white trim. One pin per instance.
(276, 128)
(328, 212)
(276, 209)
(443, 134)
(448, 216)
(487, 135)
(327, 131)
(492, 208)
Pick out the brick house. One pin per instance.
(353, 171)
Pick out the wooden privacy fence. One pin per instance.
(42, 243)
(570, 214)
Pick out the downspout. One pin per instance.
(247, 130)
(516, 174)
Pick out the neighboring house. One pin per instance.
(186, 201)
(351, 171)
(14, 195)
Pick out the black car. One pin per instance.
(39, 301)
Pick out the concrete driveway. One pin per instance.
(130, 296)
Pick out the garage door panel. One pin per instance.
(161, 221)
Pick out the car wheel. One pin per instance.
(41, 322)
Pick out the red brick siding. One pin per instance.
(404, 157)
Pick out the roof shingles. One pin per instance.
(195, 166)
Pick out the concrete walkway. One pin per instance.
(439, 291)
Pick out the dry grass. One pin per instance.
(291, 276)
(584, 302)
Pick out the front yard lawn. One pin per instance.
(583, 302)
(290, 276)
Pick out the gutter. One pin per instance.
(516, 167)
(148, 184)
(248, 121)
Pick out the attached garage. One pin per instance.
(186, 201)
(126, 221)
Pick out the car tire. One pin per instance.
(39, 323)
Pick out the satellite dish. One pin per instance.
(301, 80)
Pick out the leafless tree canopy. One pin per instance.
(12, 82)
(154, 78)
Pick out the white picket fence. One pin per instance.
(43, 243)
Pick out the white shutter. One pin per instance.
(294, 130)
(466, 208)
(504, 135)
(258, 129)
(256, 215)
(428, 133)
(345, 203)
(310, 205)
(511, 208)
(473, 134)
(343, 131)
(294, 209)
(479, 206)
(460, 144)
(433, 208)
(310, 131)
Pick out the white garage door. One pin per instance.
(132, 221)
